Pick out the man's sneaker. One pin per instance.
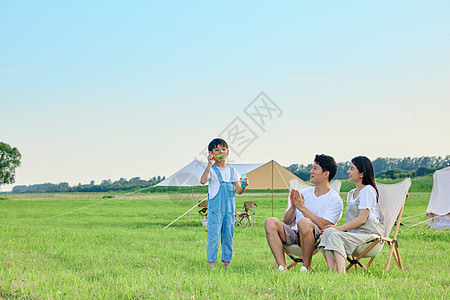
(303, 269)
(281, 268)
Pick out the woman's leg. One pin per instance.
(340, 262)
(331, 263)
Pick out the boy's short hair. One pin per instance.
(327, 163)
(216, 142)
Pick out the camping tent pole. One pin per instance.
(272, 188)
(192, 202)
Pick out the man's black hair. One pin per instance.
(216, 142)
(327, 163)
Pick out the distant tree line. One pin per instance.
(106, 185)
(385, 167)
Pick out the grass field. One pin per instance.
(116, 248)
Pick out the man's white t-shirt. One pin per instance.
(328, 206)
(214, 183)
(367, 199)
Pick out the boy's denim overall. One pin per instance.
(221, 220)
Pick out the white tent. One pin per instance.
(438, 210)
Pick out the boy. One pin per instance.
(223, 180)
(312, 210)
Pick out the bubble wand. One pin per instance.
(243, 176)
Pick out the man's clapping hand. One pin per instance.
(297, 199)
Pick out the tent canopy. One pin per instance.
(438, 210)
(270, 175)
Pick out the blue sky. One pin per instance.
(92, 90)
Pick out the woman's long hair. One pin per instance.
(364, 165)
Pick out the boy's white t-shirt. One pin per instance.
(214, 184)
(328, 206)
(367, 199)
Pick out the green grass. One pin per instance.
(117, 249)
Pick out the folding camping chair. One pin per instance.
(392, 198)
(203, 212)
(247, 213)
(295, 251)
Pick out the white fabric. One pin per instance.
(190, 175)
(214, 183)
(244, 168)
(390, 202)
(439, 206)
(439, 221)
(328, 206)
(336, 185)
(367, 198)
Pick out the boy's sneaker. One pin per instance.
(303, 269)
(281, 268)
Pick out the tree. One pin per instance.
(9, 161)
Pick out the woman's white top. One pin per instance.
(367, 198)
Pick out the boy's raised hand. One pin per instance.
(210, 159)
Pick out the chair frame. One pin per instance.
(393, 247)
(299, 258)
(203, 212)
(247, 213)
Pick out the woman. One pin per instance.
(338, 242)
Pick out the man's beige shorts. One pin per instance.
(292, 235)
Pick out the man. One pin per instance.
(310, 211)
